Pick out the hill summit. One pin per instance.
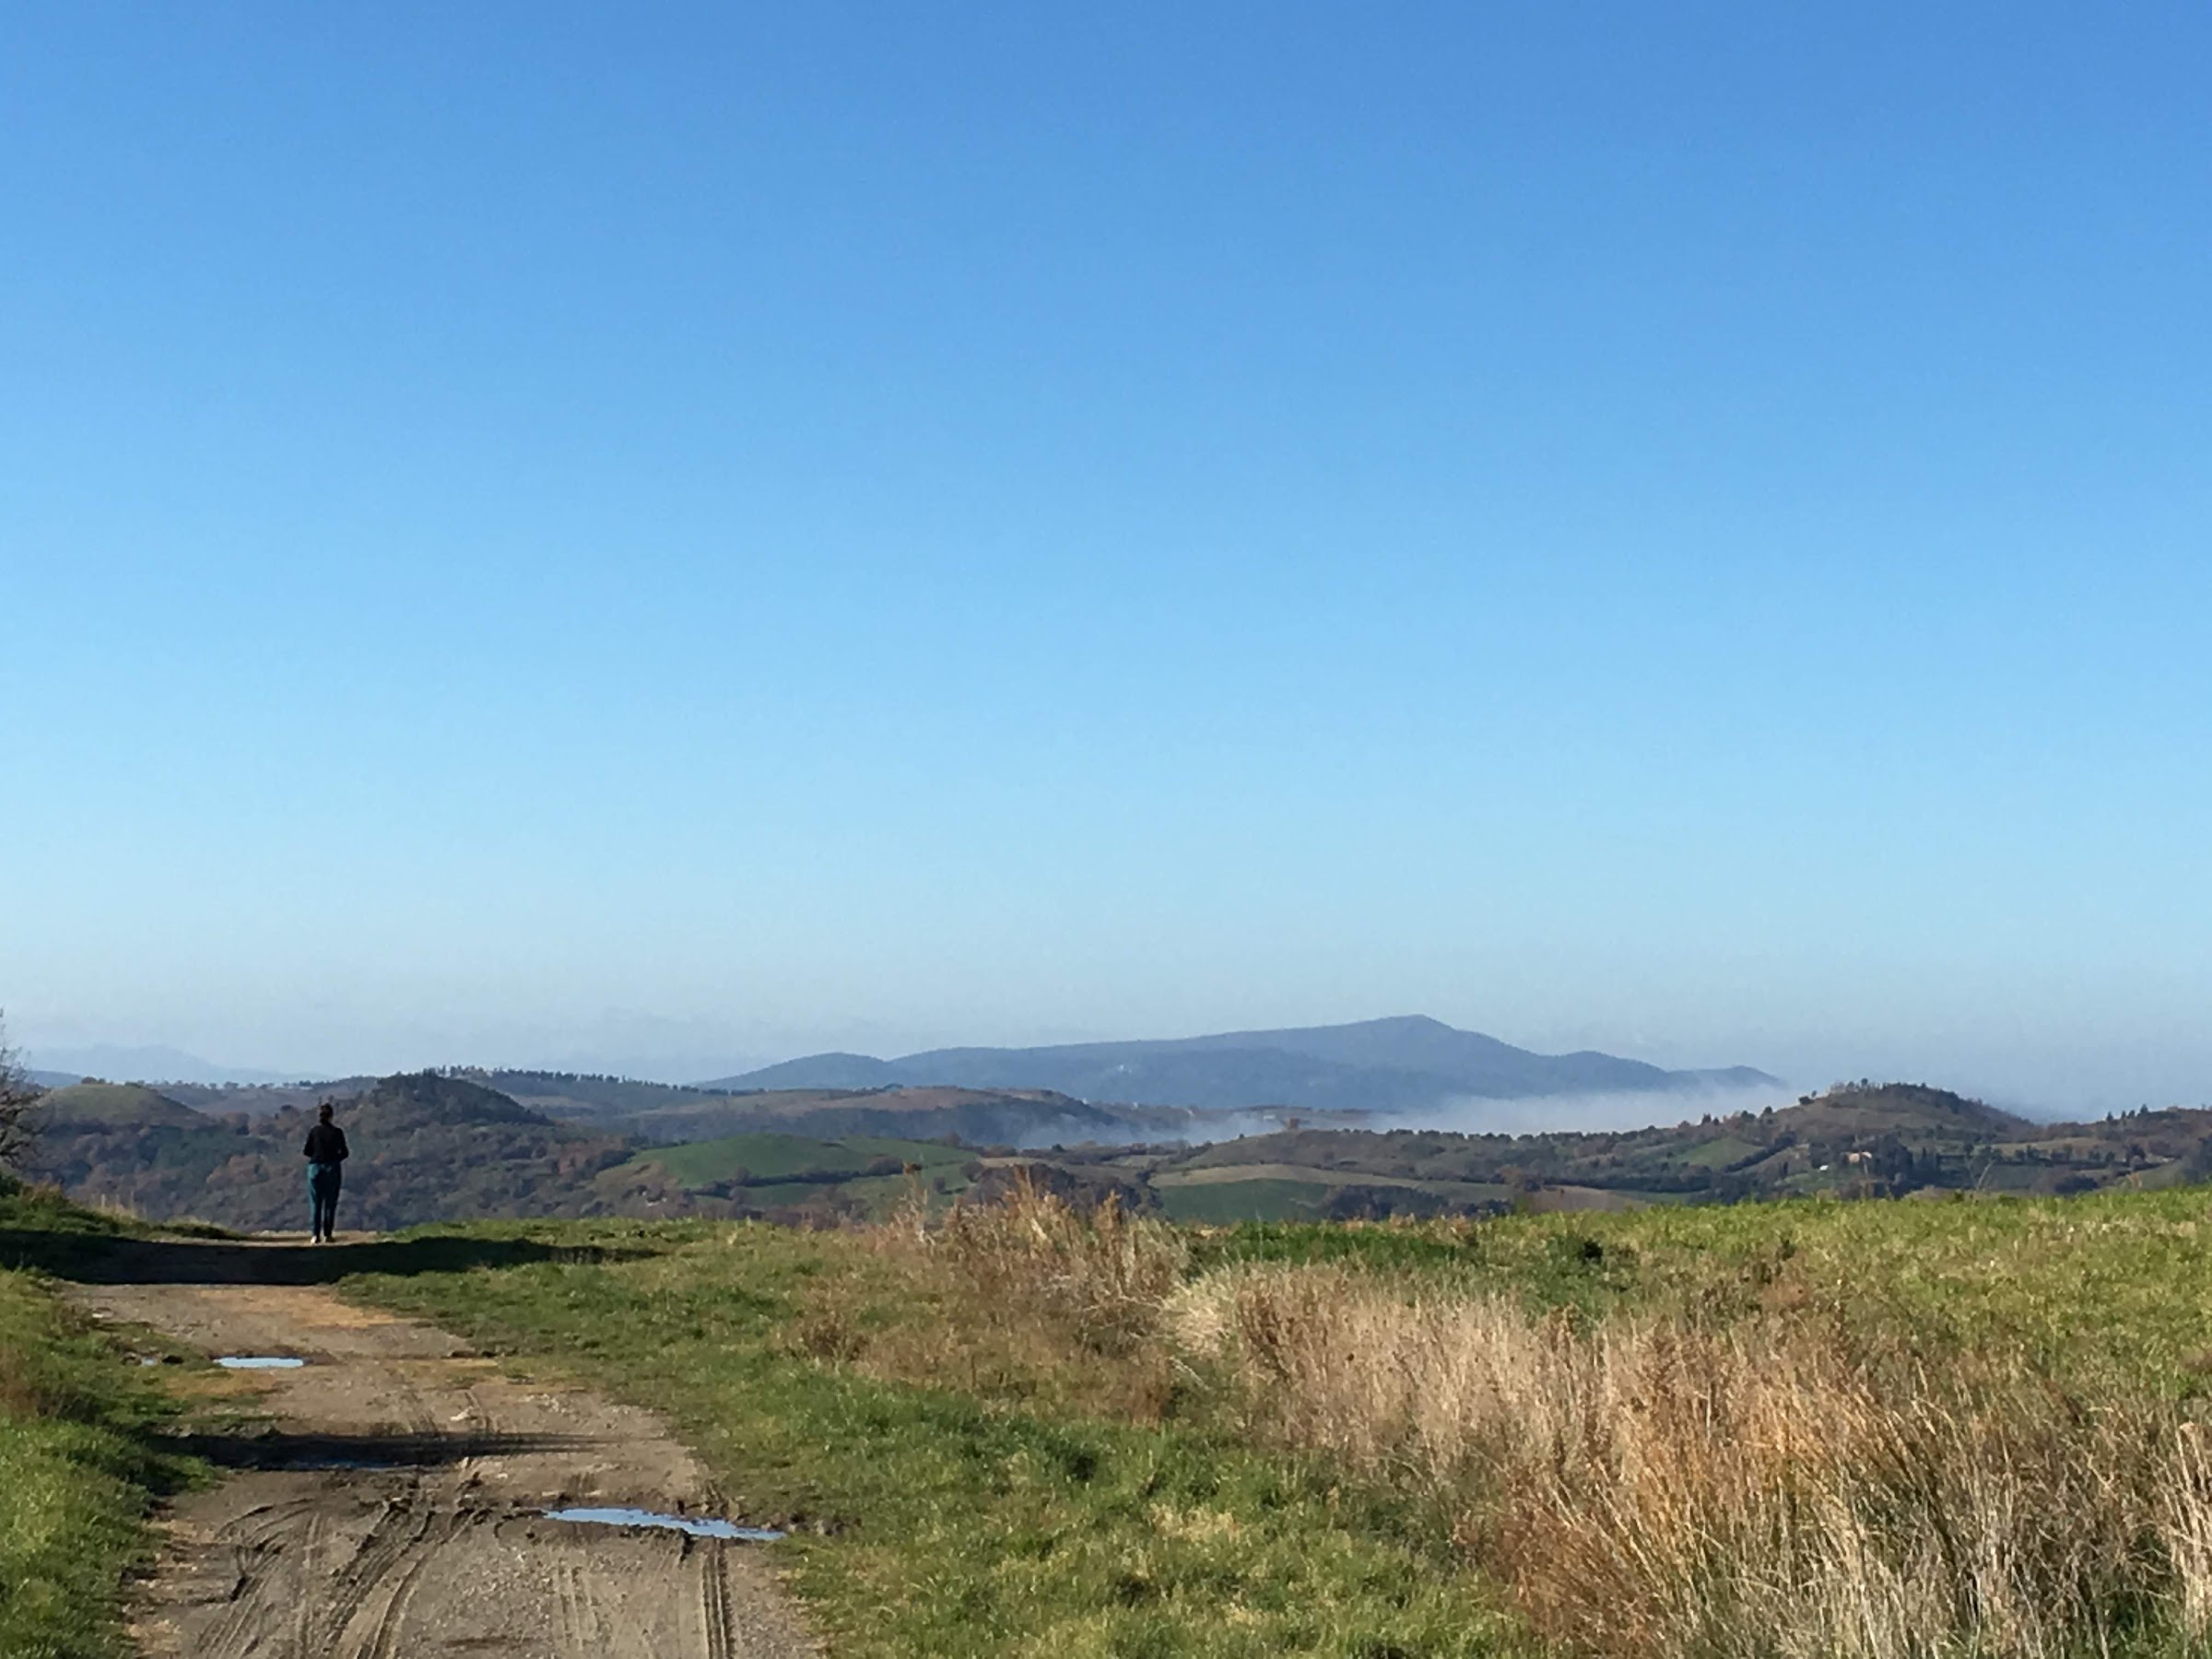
(421, 1099)
(90, 1105)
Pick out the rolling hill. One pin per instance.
(444, 1147)
(427, 1147)
(1857, 1140)
(978, 1116)
(1400, 1066)
(113, 1107)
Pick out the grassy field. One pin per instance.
(80, 1461)
(763, 1158)
(2105, 1289)
(1956, 1428)
(1041, 1497)
(1220, 1194)
(804, 1181)
(1263, 1199)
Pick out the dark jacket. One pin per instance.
(325, 1144)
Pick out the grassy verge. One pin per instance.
(1968, 1428)
(79, 1462)
(1900, 1430)
(2111, 1289)
(1033, 1504)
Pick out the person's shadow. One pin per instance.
(103, 1258)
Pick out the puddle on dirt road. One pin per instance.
(683, 1524)
(258, 1362)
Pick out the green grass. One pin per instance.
(930, 1521)
(766, 1156)
(1719, 1153)
(877, 1195)
(1228, 1201)
(1004, 1519)
(2111, 1286)
(993, 1512)
(79, 1461)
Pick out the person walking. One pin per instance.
(326, 1152)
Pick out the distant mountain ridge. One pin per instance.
(145, 1065)
(1396, 1065)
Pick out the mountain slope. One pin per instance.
(114, 1106)
(835, 1070)
(979, 1117)
(1399, 1065)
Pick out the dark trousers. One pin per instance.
(323, 1181)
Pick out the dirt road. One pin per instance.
(395, 1510)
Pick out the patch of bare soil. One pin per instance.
(395, 1509)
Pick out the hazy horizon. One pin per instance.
(692, 1065)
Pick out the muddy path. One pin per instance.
(395, 1507)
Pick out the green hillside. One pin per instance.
(1261, 1199)
(793, 1177)
(425, 1147)
(743, 1158)
(1861, 1140)
(112, 1106)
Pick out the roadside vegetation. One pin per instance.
(961, 1485)
(82, 1459)
(1952, 1427)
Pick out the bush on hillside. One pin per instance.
(18, 1093)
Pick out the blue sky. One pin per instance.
(658, 536)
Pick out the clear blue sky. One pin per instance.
(658, 533)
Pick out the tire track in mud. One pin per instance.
(395, 1508)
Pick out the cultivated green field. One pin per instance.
(765, 1158)
(1260, 1199)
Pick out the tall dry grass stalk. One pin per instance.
(1102, 1276)
(1654, 1489)
(1030, 1299)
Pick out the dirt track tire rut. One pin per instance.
(441, 1547)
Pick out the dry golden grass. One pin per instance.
(1776, 1485)
(21, 1395)
(1030, 1302)
(1652, 1488)
(1101, 1278)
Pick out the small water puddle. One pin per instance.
(683, 1524)
(258, 1362)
